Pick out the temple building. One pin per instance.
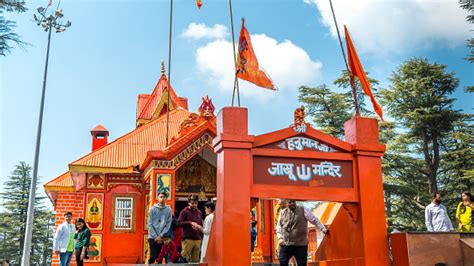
(114, 185)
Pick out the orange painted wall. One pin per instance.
(116, 246)
(362, 235)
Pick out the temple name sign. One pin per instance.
(302, 172)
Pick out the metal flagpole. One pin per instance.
(48, 23)
(354, 93)
(169, 74)
(236, 81)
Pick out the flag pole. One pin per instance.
(169, 75)
(354, 93)
(236, 81)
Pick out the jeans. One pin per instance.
(154, 249)
(78, 253)
(299, 252)
(65, 258)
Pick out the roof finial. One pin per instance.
(162, 66)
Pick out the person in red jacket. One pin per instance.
(169, 251)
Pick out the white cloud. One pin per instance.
(201, 31)
(288, 65)
(384, 27)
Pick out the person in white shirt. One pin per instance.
(209, 207)
(436, 215)
(63, 242)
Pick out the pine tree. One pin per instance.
(422, 156)
(429, 144)
(7, 33)
(328, 109)
(13, 220)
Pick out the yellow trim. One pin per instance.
(95, 169)
(163, 100)
(59, 188)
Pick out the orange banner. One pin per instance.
(247, 65)
(358, 71)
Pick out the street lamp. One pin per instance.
(48, 23)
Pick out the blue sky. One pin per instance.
(113, 52)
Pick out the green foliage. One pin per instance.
(7, 34)
(344, 82)
(469, 6)
(13, 220)
(328, 109)
(429, 143)
(429, 148)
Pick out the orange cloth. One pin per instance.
(358, 71)
(247, 65)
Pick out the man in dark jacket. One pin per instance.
(292, 233)
(191, 244)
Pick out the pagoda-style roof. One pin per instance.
(131, 152)
(151, 106)
(127, 152)
(61, 183)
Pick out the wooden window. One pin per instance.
(123, 213)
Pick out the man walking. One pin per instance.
(63, 241)
(292, 233)
(436, 215)
(191, 244)
(159, 223)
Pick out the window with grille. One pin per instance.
(123, 213)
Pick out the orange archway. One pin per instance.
(300, 163)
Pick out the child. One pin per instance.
(169, 251)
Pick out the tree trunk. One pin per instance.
(431, 162)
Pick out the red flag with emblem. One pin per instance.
(358, 71)
(247, 65)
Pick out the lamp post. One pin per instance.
(48, 23)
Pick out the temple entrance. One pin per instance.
(265, 213)
(302, 164)
(196, 176)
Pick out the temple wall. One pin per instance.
(68, 201)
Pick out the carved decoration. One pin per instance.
(192, 120)
(95, 181)
(197, 176)
(299, 116)
(125, 178)
(206, 109)
(205, 139)
(206, 113)
(300, 124)
(111, 185)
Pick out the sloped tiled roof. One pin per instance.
(149, 108)
(142, 100)
(99, 128)
(62, 182)
(130, 150)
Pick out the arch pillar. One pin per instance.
(229, 242)
(363, 134)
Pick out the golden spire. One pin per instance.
(162, 66)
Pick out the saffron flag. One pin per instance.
(358, 71)
(247, 65)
